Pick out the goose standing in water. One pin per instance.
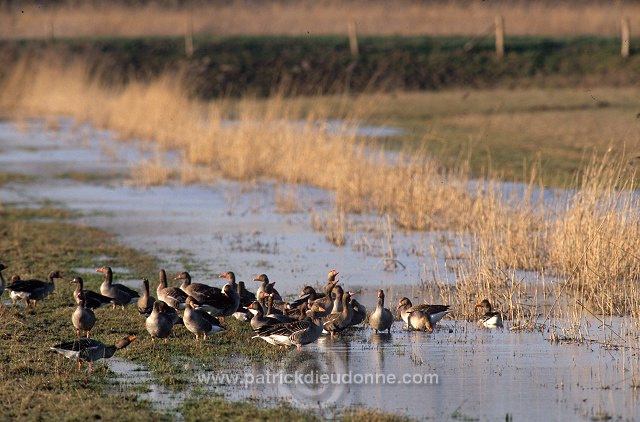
(421, 317)
(490, 318)
(296, 333)
(326, 302)
(121, 294)
(359, 312)
(381, 319)
(338, 322)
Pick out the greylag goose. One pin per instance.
(146, 301)
(277, 313)
(260, 320)
(337, 300)
(221, 305)
(172, 296)
(421, 317)
(300, 312)
(296, 333)
(83, 319)
(311, 293)
(32, 289)
(490, 318)
(2, 282)
(338, 322)
(381, 319)
(264, 287)
(161, 320)
(246, 297)
(200, 292)
(326, 302)
(92, 300)
(121, 294)
(89, 350)
(200, 322)
(359, 312)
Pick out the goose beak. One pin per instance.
(478, 305)
(132, 338)
(321, 309)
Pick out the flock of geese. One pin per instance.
(278, 322)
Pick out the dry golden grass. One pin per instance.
(587, 243)
(321, 17)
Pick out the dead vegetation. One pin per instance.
(584, 239)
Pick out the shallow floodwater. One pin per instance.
(460, 372)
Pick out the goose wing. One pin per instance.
(93, 300)
(429, 309)
(27, 285)
(284, 329)
(125, 289)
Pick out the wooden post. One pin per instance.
(50, 32)
(626, 38)
(499, 36)
(353, 38)
(188, 37)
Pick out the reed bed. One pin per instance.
(586, 241)
(318, 17)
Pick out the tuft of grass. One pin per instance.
(6, 178)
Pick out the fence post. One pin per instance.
(499, 36)
(50, 32)
(626, 38)
(188, 37)
(353, 38)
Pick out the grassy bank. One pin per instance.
(39, 384)
(310, 65)
(36, 383)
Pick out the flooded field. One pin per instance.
(460, 372)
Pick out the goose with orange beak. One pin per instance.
(90, 350)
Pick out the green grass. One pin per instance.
(504, 132)
(309, 65)
(38, 384)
